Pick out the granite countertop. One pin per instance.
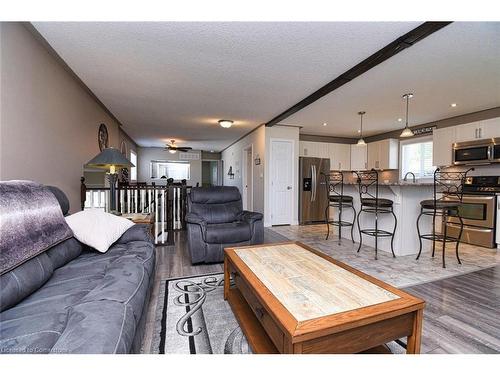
(397, 183)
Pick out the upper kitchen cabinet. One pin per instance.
(478, 130)
(314, 149)
(468, 132)
(340, 156)
(490, 128)
(442, 146)
(359, 157)
(383, 154)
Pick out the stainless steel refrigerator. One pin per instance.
(313, 196)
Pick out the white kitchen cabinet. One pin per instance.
(442, 146)
(340, 156)
(490, 128)
(309, 149)
(372, 153)
(468, 132)
(323, 149)
(383, 154)
(303, 151)
(478, 130)
(359, 161)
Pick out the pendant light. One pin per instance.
(361, 141)
(407, 132)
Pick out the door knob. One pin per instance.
(288, 188)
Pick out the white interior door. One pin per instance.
(282, 178)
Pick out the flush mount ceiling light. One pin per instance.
(226, 123)
(453, 105)
(407, 132)
(361, 141)
(324, 124)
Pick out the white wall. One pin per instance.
(49, 122)
(233, 156)
(282, 132)
(146, 154)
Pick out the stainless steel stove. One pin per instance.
(478, 211)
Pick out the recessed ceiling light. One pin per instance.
(453, 105)
(324, 124)
(400, 119)
(226, 123)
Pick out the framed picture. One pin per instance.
(102, 137)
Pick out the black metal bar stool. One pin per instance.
(450, 186)
(371, 203)
(334, 183)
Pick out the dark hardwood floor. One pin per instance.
(462, 313)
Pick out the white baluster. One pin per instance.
(156, 215)
(163, 218)
(135, 200)
(149, 200)
(128, 200)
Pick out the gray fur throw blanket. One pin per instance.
(31, 222)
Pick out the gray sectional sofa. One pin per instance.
(72, 299)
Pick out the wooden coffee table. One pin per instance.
(289, 298)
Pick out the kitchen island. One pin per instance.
(406, 197)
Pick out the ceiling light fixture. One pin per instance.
(172, 151)
(453, 105)
(226, 123)
(361, 141)
(324, 124)
(400, 119)
(407, 132)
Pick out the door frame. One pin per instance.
(245, 174)
(292, 220)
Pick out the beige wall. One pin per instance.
(233, 157)
(146, 154)
(49, 122)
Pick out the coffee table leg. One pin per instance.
(227, 277)
(414, 341)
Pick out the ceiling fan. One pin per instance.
(172, 148)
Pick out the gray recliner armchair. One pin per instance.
(216, 220)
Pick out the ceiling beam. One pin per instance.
(400, 44)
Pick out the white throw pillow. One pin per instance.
(97, 228)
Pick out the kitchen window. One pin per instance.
(416, 157)
(133, 170)
(161, 169)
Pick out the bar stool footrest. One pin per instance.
(438, 237)
(378, 232)
(341, 223)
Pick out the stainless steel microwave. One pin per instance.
(483, 151)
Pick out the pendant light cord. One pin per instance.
(361, 132)
(407, 102)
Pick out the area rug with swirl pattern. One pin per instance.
(193, 318)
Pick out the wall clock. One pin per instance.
(102, 137)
